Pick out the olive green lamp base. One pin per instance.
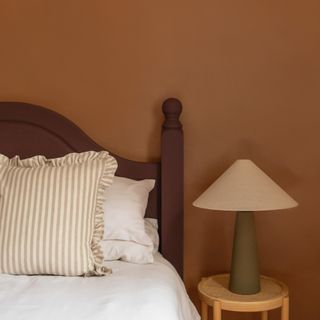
(244, 276)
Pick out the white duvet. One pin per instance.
(135, 292)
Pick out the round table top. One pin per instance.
(215, 288)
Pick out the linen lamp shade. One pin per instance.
(244, 188)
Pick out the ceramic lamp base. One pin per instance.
(244, 277)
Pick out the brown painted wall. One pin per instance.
(248, 75)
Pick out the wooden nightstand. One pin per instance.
(213, 291)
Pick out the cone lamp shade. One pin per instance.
(244, 188)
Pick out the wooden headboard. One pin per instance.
(28, 130)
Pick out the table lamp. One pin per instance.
(244, 188)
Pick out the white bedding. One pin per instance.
(135, 292)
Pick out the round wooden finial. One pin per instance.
(172, 109)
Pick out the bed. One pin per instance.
(29, 130)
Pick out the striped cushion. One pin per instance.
(51, 213)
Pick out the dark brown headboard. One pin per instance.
(29, 130)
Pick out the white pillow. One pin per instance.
(127, 251)
(131, 251)
(151, 226)
(124, 210)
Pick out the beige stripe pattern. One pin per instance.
(51, 213)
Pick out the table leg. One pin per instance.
(285, 309)
(204, 311)
(264, 315)
(216, 310)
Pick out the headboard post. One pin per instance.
(172, 184)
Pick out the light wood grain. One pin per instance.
(213, 291)
(285, 309)
(216, 310)
(204, 311)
